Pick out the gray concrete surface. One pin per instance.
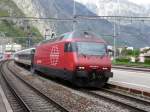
(4, 104)
(134, 79)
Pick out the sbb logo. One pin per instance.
(54, 55)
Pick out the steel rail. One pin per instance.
(113, 100)
(11, 88)
(126, 96)
(40, 93)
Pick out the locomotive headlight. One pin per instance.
(81, 68)
(105, 68)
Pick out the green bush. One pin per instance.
(123, 60)
(147, 61)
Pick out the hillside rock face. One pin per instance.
(129, 35)
(115, 7)
(33, 9)
(58, 9)
(11, 27)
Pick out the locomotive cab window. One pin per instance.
(89, 48)
(70, 47)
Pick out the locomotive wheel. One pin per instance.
(97, 83)
(77, 82)
(102, 82)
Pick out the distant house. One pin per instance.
(141, 58)
(13, 47)
(144, 56)
(143, 49)
(147, 55)
(109, 47)
(130, 48)
(110, 50)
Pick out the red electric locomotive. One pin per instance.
(80, 57)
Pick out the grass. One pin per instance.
(3, 13)
(137, 64)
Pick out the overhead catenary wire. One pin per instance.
(79, 17)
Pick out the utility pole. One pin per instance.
(114, 35)
(118, 26)
(74, 15)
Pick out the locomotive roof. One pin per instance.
(25, 50)
(76, 34)
(80, 33)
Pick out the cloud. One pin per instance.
(141, 2)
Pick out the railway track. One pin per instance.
(13, 100)
(127, 101)
(30, 98)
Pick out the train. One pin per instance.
(6, 55)
(1, 56)
(80, 57)
(24, 56)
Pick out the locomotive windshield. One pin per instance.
(86, 48)
(89, 48)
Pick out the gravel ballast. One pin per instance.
(73, 100)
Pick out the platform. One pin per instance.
(4, 104)
(131, 79)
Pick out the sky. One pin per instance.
(139, 2)
(145, 2)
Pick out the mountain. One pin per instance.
(129, 35)
(6, 28)
(115, 7)
(59, 9)
(14, 28)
